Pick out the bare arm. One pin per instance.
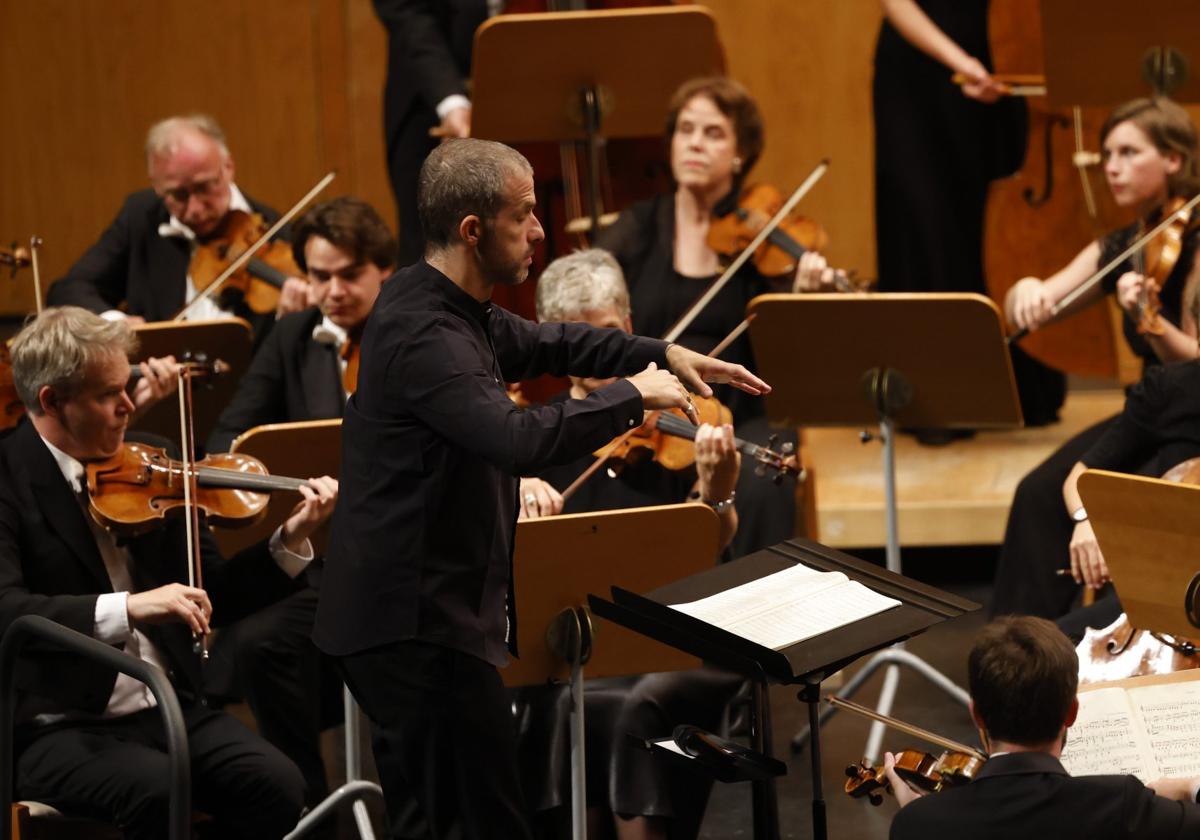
(1030, 301)
(916, 28)
(1087, 562)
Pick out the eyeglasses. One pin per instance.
(201, 189)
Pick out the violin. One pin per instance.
(667, 438)
(920, 769)
(957, 765)
(1157, 260)
(778, 255)
(137, 488)
(258, 282)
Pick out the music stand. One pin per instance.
(1149, 533)
(920, 360)
(806, 663)
(1108, 56)
(301, 450)
(559, 560)
(578, 76)
(229, 339)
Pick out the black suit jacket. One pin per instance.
(51, 566)
(292, 378)
(132, 264)
(1030, 795)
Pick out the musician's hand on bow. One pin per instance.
(694, 370)
(539, 499)
(320, 496)
(717, 462)
(662, 389)
(902, 790)
(159, 379)
(1087, 562)
(1029, 305)
(293, 297)
(979, 84)
(813, 274)
(168, 604)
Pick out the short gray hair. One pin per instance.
(59, 346)
(461, 178)
(163, 137)
(581, 282)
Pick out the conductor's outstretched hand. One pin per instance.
(694, 370)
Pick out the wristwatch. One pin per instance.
(1079, 514)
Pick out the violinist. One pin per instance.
(1022, 673)
(1149, 149)
(305, 369)
(628, 786)
(140, 267)
(90, 741)
(416, 600)
(716, 135)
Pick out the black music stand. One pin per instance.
(918, 360)
(806, 663)
(578, 76)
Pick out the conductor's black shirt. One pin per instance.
(432, 447)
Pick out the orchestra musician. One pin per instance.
(416, 600)
(305, 369)
(1022, 673)
(641, 796)
(716, 135)
(90, 742)
(1149, 148)
(139, 268)
(429, 66)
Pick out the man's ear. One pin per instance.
(1072, 713)
(470, 229)
(50, 401)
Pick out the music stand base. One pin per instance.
(893, 659)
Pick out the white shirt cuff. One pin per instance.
(290, 562)
(113, 315)
(112, 618)
(454, 100)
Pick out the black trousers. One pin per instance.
(293, 689)
(1037, 538)
(444, 740)
(408, 146)
(117, 770)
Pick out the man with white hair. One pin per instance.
(139, 267)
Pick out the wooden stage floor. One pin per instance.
(958, 494)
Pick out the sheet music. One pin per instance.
(1106, 738)
(789, 606)
(1170, 717)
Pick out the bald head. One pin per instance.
(191, 169)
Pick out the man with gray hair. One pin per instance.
(139, 268)
(416, 600)
(90, 741)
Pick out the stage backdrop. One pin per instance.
(298, 88)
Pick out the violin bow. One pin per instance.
(249, 253)
(720, 283)
(191, 511)
(916, 731)
(1090, 283)
(603, 457)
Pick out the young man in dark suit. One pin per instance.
(139, 267)
(416, 598)
(305, 369)
(90, 741)
(1023, 674)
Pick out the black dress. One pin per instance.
(620, 713)
(1039, 530)
(643, 241)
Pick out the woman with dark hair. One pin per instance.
(1149, 148)
(716, 135)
